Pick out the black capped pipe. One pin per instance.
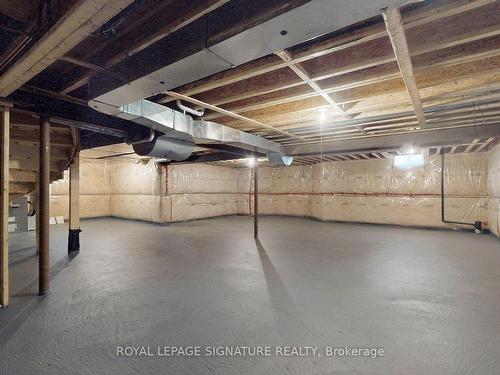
(476, 224)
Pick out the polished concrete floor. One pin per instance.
(429, 298)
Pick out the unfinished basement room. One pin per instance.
(266, 187)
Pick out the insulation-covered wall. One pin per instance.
(204, 190)
(494, 190)
(95, 191)
(137, 192)
(174, 193)
(375, 191)
(371, 191)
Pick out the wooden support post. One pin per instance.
(256, 200)
(43, 204)
(37, 219)
(74, 205)
(4, 205)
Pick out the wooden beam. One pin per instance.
(231, 114)
(397, 35)
(79, 22)
(299, 70)
(4, 205)
(43, 212)
(473, 143)
(82, 63)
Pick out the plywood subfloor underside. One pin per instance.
(429, 298)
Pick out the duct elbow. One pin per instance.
(166, 147)
(276, 158)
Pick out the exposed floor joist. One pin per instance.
(85, 17)
(304, 76)
(396, 31)
(345, 75)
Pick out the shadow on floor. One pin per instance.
(21, 259)
(279, 297)
(25, 302)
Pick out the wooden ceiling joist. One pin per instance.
(485, 143)
(137, 44)
(397, 35)
(299, 70)
(79, 22)
(85, 64)
(377, 78)
(388, 74)
(472, 145)
(349, 40)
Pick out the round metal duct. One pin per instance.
(166, 147)
(278, 159)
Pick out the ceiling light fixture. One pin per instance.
(322, 114)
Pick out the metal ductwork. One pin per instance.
(165, 147)
(166, 71)
(153, 71)
(178, 133)
(279, 159)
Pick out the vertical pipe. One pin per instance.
(74, 205)
(476, 224)
(4, 206)
(256, 200)
(37, 218)
(442, 187)
(43, 221)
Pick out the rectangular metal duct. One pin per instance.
(179, 126)
(310, 20)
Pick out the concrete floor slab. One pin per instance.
(429, 298)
